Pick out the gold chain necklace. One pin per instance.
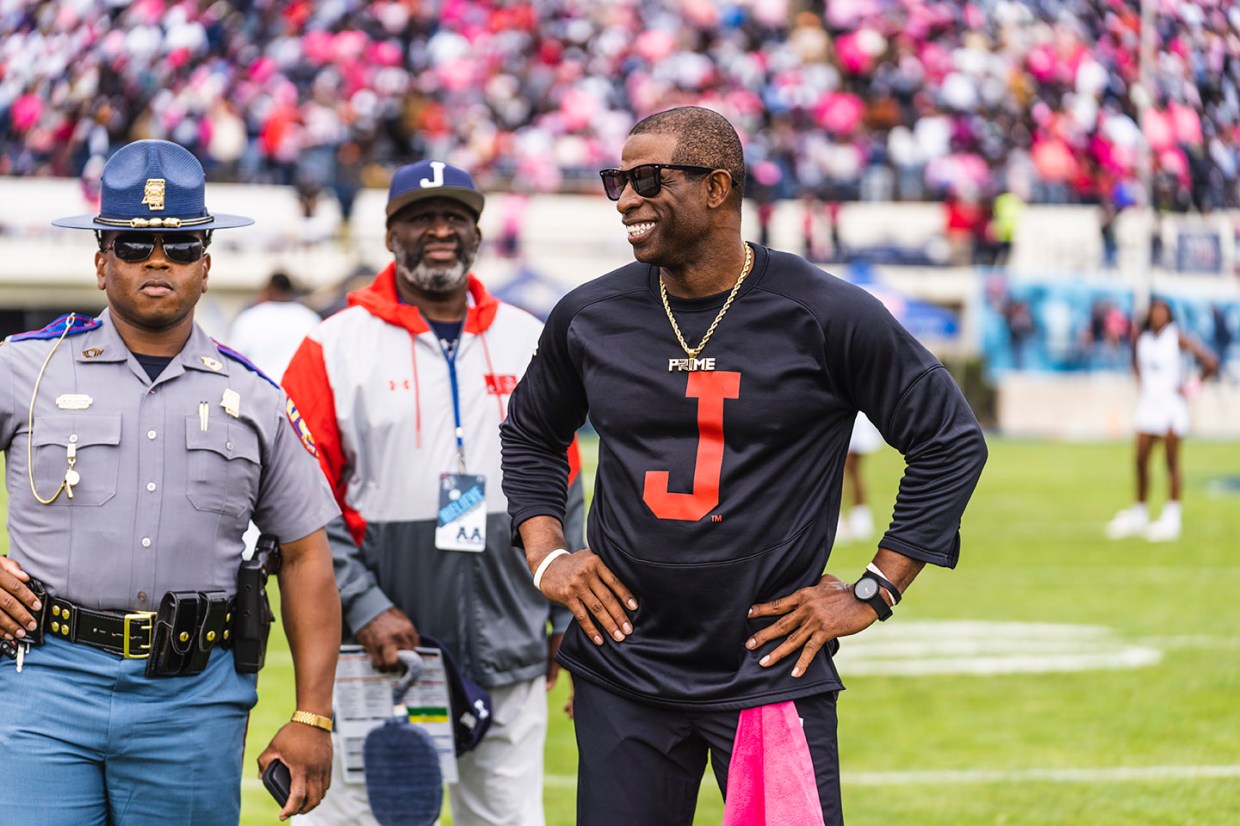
(692, 352)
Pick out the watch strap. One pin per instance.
(884, 583)
(312, 719)
(876, 602)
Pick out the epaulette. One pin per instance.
(237, 357)
(79, 324)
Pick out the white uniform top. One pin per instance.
(865, 436)
(269, 333)
(1161, 406)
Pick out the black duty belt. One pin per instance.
(127, 634)
(175, 641)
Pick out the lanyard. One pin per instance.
(449, 355)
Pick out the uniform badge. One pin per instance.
(153, 193)
(231, 402)
(92, 353)
(74, 401)
(212, 364)
(301, 428)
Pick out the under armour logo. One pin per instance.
(402, 384)
(482, 709)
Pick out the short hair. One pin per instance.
(280, 283)
(703, 138)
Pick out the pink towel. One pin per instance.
(771, 776)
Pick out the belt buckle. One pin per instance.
(138, 616)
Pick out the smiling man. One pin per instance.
(405, 391)
(137, 451)
(704, 621)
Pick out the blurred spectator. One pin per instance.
(1106, 224)
(856, 523)
(1107, 336)
(964, 218)
(886, 98)
(1021, 329)
(346, 183)
(1221, 337)
(809, 228)
(512, 223)
(271, 330)
(764, 181)
(1159, 358)
(1005, 218)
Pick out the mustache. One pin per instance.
(437, 278)
(411, 258)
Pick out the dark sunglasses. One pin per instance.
(647, 179)
(138, 246)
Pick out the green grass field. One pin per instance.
(1154, 744)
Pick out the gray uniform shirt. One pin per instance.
(164, 493)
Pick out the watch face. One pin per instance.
(865, 588)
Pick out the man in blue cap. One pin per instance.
(137, 451)
(405, 390)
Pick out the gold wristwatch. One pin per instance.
(312, 719)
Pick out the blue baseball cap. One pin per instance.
(471, 703)
(432, 179)
(153, 186)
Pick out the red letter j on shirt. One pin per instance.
(710, 389)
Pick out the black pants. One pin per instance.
(642, 765)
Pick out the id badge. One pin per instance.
(462, 524)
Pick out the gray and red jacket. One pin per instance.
(372, 384)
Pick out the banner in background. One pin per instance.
(1079, 325)
(1199, 251)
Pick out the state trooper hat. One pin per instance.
(153, 186)
(471, 703)
(432, 179)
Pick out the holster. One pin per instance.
(188, 625)
(252, 616)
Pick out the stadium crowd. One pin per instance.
(875, 99)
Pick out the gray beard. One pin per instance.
(432, 279)
(436, 280)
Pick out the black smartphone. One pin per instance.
(278, 781)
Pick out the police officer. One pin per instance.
(137, 450)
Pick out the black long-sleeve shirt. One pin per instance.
(718, 489)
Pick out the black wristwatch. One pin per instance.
(883, 582)
(866, 589)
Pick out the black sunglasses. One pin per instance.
(138, 246)
(647, 179)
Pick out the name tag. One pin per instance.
(74, 401)
(462, 522)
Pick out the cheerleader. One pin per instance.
(1162, 413)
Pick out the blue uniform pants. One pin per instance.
(639, 763)
(86, 738)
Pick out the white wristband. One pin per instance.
(546, 563)
(875, 569)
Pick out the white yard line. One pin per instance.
(1130, 774)
(1116, 774)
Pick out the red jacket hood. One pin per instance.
(379, 298)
